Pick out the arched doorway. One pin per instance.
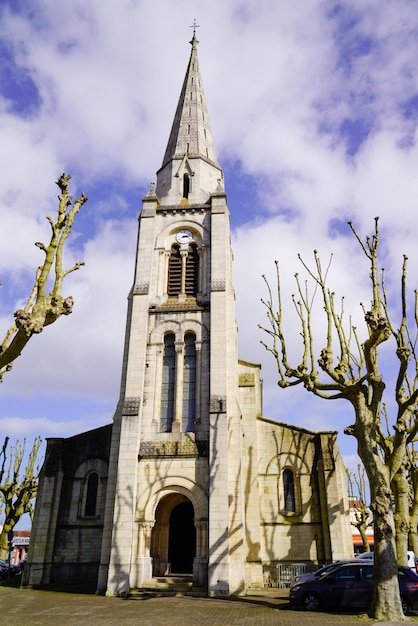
(173, 539)
(182, 539)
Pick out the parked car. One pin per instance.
(365, 555)
(325, 569)
(349, 587)
(412, 559)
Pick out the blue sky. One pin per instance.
(314, 112)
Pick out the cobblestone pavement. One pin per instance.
(33, 607)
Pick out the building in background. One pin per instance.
(190, 479)
(360, 513)
(19, 546)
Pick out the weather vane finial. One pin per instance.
(194, 26)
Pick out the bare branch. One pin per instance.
(42, 309)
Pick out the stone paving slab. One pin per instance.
(34, 607)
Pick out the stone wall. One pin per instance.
(66, 542)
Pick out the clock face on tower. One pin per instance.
(184, 236)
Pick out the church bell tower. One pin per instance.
(174, 500)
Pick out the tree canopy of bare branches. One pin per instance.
(44, 306)
(349, 369)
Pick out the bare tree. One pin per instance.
(357, 493)
(354, 374)
(43, 308)
(16, 491)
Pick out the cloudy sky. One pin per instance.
(314, 111)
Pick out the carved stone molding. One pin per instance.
(131, 406)
(218, 284)
(182, 447)
(141, 288)
(246, 380)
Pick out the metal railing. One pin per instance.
(286, 572)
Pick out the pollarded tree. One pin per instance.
(17, 491)
(354, 374)
(44, 307)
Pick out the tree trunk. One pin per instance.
(413, 515)
(4, 542)
(386, 602)
(413, 541)
(364, 538)
(400, 490)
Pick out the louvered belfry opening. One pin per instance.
(177, 266)
(192, 271)
(174, 271)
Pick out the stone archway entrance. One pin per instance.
(173, 539)
(182, 539)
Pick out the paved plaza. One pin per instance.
(29, 607)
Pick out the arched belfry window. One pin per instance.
(289, 491)
(186, 185)
(189, 383)
(183, 271)
(174, 271)
(168, 383)
(91, 494)
(192, 271)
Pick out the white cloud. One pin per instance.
(82, 354)
(281, 80)
(18, 428)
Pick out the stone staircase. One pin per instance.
(179, 585)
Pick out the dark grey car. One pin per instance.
(349, 587)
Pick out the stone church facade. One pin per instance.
(190, 479)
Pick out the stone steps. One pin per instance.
(181, 585)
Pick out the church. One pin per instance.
(190, 480)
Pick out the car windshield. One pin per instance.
(329, 568)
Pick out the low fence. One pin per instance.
(286, 572)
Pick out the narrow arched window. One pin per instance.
(168, 383)
(189, 383)
(192, 271)
(91, 494)
(174, 271)
(186, 182)
(289, 491)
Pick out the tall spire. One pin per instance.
(191, 133)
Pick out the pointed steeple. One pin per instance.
(191, 132)
(190, 148)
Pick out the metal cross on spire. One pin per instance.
(194, 26)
